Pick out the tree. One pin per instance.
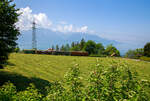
(112, 51)
(82, 43)
(67, 47)
(147, 50)
(53, 47)
(135, 53)
(57, 48)
(99, 49)
(72, 44)
(75, 46)
(8, 30)
(62, 48)
(139, 52)
(90, 47)
(130, 54)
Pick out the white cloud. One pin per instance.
(83, 29)
(70, 28)
(42, 21)
(27, 17)
(62, 22)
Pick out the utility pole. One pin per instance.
(34, 42)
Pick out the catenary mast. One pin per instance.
(34, 42)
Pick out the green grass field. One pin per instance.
(23, 69)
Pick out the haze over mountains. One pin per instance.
(59, 31)
(46, 38)
(124, 23)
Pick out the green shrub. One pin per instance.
(70, 90)
(112, 83)
(112, 51)
(31, 94)
(145, 58)
(74, 84)
(7, 92)
(17, 49)
(135, 54)
(55, 92)
(115, 83)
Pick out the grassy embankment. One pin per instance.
(23, 69)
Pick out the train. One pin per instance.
(54, 52)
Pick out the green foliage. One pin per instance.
(147, 50)
(55, 92)
(7, 92)
(131, 54)
(53, 47)
(74, 84)
(145, 58)
(75, 46)
(62, 48)
(90, 47)
(135, 54)
(111, 51)
(93, 49)
(72, 44)
(57, 48)
(67, 47)
(51, 67)
(70, 89)
(31, 94)
(100, 49)
(114, 82)
(82, 43)
(8, 30)
(140, 52)
(17, 49)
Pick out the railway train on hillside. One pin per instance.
(53, 52)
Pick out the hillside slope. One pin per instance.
(23, 69)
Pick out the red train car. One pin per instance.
(78, 53)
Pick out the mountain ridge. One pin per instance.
(46, 38)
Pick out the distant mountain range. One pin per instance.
(46, 38)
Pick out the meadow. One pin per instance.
(43, 70)
(23, 69)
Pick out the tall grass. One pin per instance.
(114, 82)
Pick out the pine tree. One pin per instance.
(147, 49)
(82, 43)
(62, 48)
(67, 47)
(72, 44)
(57, 48)
(53, 47)
(8, 30)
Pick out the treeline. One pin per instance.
(93, 48)
(140, 53)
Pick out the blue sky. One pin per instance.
(126, 21)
